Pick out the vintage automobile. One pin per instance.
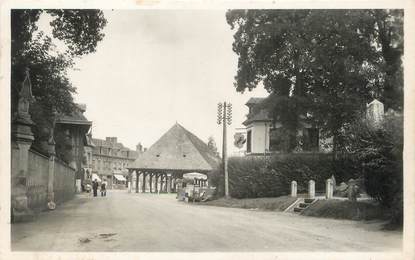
(190, 191)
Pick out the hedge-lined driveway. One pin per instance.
(150, 222)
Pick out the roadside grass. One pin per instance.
(278, 203)
(343, 209)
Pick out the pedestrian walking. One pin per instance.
(103, 189)
(95, 187)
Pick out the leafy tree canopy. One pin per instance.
(79, 30)
(323, 64)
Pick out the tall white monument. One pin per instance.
(375, 112)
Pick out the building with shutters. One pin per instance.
(110, 160)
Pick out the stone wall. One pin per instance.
(38, 177)
(64, 182)
(37, 180)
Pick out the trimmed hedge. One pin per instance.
(270, 176)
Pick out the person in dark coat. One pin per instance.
(95, 187)
(103, 189)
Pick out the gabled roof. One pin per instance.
(258, 112)
(177, 150)
(75, 118)
(260, 116)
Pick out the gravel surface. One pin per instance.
(148, 222)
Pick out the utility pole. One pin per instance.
(224, 118)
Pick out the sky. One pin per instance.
(158, 67)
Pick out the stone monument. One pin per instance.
(22, 138)
(375, 112)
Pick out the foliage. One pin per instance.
(212, 145)
(339, 209)
(274, 204)
(324, 63)
(378, 153)
(80, 30)
(254, 177)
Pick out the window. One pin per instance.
(248, 141)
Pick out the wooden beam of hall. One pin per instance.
(156, 183)
(151, 182)
(136, 181)
(143, 188)
(165, 182)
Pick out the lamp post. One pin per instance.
(224, 118)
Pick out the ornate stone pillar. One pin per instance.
(22, 138)
(51, 173)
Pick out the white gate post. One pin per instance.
(329, 188)
(311, 189)
(293, 189)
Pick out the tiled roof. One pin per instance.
(259, 116)
(178, 150)
(75, 118)
(259, 112)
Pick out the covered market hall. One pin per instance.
(177, 152)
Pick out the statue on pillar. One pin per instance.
(22, 139)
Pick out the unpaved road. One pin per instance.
(150, 222)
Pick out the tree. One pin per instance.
(212, 145)
(388, 33)
(80, 30)
(324, 65)
(377, 150)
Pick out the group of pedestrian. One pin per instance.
(103, 187)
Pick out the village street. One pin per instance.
(150, 222)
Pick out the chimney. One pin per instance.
(139, 147)
(112, 140)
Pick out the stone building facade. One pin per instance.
(110, 160)
(72, 131)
